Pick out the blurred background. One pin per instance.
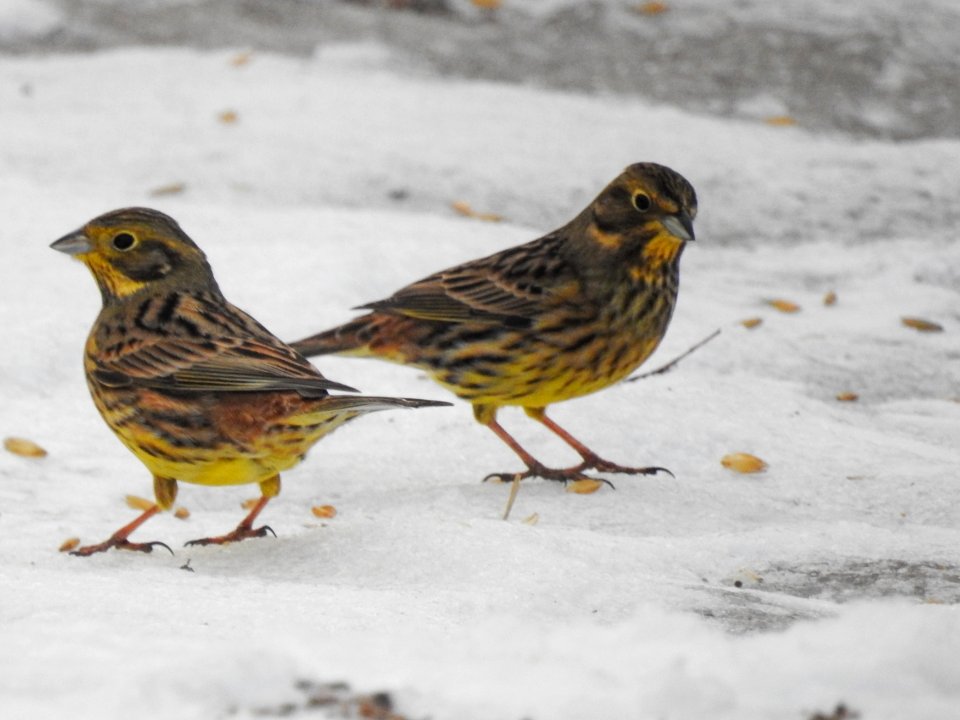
(873, 68)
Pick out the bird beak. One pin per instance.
(76, 243)
(680, 226)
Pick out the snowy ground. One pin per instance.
(832, 577)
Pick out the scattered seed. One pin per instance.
(241, 59)
(784, 306)
(780, 120)
(751, 323)
(136, 502)
(463, 208)
(743, 463)
(847, 397)
(531, 519)
(23, 447)
(921, 325)
(69, 544)
(174, 188)
(324, 511)
(651, 8)
(830, 298)
(181, 513)
(228, 117)
(584, 486)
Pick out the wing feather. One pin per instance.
(203, 344)
(511, 287)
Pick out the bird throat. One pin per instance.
(113, 284)
(662, 250)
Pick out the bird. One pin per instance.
(196, 388)
(567, 314)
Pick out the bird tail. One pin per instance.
(366, 403)
(351, 338)
(329, 413)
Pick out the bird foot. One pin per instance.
(577, 472)
(240, 533)
(605, 466)
(560, 475)
(119, 544)
(563, 475)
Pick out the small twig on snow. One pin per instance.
(670, 365)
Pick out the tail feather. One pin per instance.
(366, 403)
(333, 411)
(349, 337)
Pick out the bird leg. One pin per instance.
(270, 488)
(591, 461)
(534, 467)
(119, 539)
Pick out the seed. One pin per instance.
(921, 325)
(69, 544)
(23, 447)
(784, 306)
(584, 486)
(138, 503)
(743, 463)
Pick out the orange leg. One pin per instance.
(591, 461)
(487, 414)
(119, 538)
(245, 530)
(534, 467)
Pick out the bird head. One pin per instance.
(132, 248)
(642, 219)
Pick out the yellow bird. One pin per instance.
(197, 389)
(568, 314)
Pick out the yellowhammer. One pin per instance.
(197, 389)
(559, 317)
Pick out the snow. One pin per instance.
(832, 577)
(27, 19)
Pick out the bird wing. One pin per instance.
(199, 344)
(510, 287)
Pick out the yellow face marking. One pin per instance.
(104, 272)
(607, 240)
(661, 249)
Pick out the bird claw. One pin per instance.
(606, 466)
(506, 477)
(563, 475)
(119, 544)
(240, 533)
(571, 474)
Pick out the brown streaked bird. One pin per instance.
(565, 315)
(197, 389)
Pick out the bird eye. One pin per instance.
(123, 241)
(642, 202)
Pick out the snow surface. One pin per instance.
(832, 577)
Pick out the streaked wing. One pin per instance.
(203, 344)
(510, 287)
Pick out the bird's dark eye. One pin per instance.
(123, 241)
(642, 202)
